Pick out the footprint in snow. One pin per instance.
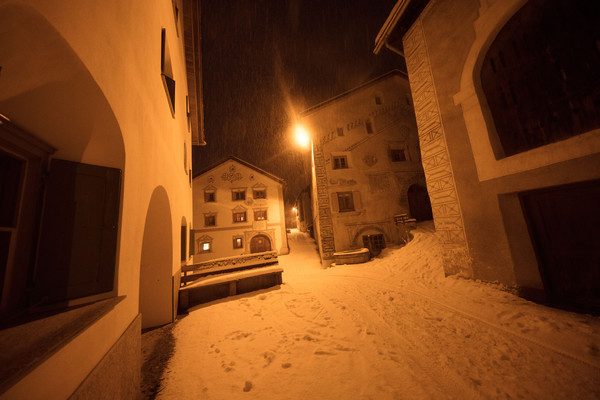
(248, 386)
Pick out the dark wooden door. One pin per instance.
(419, 204)
(563, 223)
(259, 244)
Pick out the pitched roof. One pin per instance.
(245, 163)
(396, 72)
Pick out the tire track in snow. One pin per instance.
(492, 325)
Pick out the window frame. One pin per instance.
(210, 195)
(258, 212)
(244, 219)
(236, 192)
(347, 200)
(339, 162)
(256, 193)
(235, 240)
(208, 216)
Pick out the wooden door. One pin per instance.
(259, 244)
(563, 223)
(419, 204)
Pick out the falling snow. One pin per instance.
(392, 328)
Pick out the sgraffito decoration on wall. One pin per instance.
(441, 186)
(342, 182)
(380, 183)
(370, 160)
(231, 175)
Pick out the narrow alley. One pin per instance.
(393, 328)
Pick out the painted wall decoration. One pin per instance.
(370, 160)
(436, 161)
(231, 175)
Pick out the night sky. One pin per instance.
(264, 60)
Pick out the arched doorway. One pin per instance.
(259, 244)
(418, 203)
(156, 265)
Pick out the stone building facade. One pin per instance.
(238, 209)
(99, 114)
(506, 96)
(366, 165)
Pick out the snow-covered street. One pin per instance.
(392, 328)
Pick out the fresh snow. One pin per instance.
(392, 328)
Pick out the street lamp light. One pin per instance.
(302, 136)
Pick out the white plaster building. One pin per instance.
(366, 165)
(238, 209)
(506, 98)
(99, 114)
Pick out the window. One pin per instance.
(345, 201)
(397, 155)
(167, 72)
(210, 196)
(238, 194)
(183, 242)
(340, 162)
(377, 100)
(260, 215)
(238, 242)
(204, 244)
(340, 131)
(260, 193)
(239, 216)
(369, 126)
(540, 76)
(210, 220)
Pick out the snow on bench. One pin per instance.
(216, 287)
(193, 272)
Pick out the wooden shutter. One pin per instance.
(356, 198)
(335, 206)
(78, 234)
(192, 243)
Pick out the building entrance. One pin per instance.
(419, 204)
(259, 244)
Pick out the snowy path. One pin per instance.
(393, 328)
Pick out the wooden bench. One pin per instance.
(216, 287)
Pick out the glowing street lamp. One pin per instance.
(301, 136)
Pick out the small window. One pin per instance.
(345, 201)
(209, 196)
(260, 215)
(397, 155)
(238, 242)
(210, 220)
(340, 162)
(377, 100)
(369, 126)
(167, 72)
(239, 216)
(260, 193)
(340, 131)
(238, 194)
(206, 247)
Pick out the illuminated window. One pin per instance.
(204, 244)
(345, 201)
(238, 242)
(340, 162)
(210, 220)
(260, 193)
(206, 247)
(239, 216)
(260, 215)
(238, 194)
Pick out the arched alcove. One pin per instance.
(156, 264)
(48, 91)
(419, 203)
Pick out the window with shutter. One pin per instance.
(78, 234)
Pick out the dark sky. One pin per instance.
(264, 60)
